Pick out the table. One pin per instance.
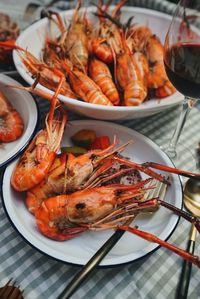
(154, 276)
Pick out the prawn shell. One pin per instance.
(51, 185)
(101, 75)
(164, 91)
(87, 89)
(23, 179)
(11, 126)
(77, 46)
(102, 51)
(52, 220)
(11, 122)
(134, 94)
(86, 206)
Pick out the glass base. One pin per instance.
(184, 158)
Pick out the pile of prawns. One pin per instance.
(105, 62)
(65, 193)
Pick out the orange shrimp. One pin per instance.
(137, 37)
(76, 41)
(51, 185)
(141, 62)
(52, 54)
(82, 170)
(130, 77)
(86, 88)
(101, 75)
(37, 159)
(157, 78)
(51, 78)
(140, 38)
(108, 37)
(60, 217)
(66, 216)
(164, 91)
(11, 123)
(102, 50)
(87, 170)
(154, 52)
(73, 42)
(74, 174)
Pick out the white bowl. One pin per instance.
(33, 39)
(25, 104)
(79, 250)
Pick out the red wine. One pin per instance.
(182, 64)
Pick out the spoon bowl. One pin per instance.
(192, 196)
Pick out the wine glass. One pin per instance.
(182, 64)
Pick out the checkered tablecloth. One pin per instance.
(155, 276)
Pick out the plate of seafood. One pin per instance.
(112, 72)
(72, 210)
(18, 119)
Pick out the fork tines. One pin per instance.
(158, 191)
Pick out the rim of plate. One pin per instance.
(167, 102)
(33, 129)
(111, 264)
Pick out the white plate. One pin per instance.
(157, 21)
(80, 250)
(26, 106)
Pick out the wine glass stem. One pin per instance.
(187, 105)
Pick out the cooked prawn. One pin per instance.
(86, 88)
(129, 77)
(58, 216)
(155, 52)
(100, 73)
(76, 42)
(140, 39)
(37, 159)
(137, 37)
(141, 62)
(51, 185)
(73, 41)
(51, 78)
(11, 123)
(82, 170)
(164, 91)
(66, 216)
(108, 36)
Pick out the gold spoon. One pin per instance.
(192, 203)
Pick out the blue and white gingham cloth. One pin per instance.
(153, 277)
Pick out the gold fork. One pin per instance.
(11, 291)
